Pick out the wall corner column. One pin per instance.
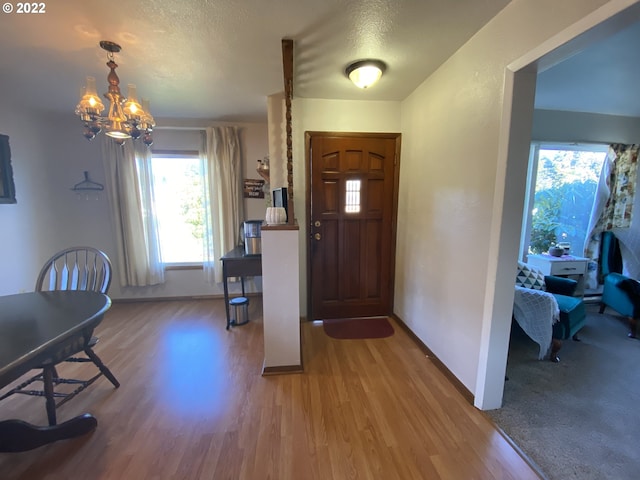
(281, 299)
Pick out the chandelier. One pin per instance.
(126, 118)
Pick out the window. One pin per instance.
(560, 192)
(179, 200)
(352, 202)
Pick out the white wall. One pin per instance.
(320, 115)
(557, 126)
(24, 226)
(452, 128)
(281, 310)
(49, 157)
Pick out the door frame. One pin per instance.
(308, 136)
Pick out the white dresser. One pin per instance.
(564, 266)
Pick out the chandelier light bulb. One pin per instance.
(132, 108)
(90, 105)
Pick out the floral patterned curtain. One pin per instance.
(613, 205)
(618, 209)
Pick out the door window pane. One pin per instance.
(352, 202)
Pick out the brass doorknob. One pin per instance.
(317, 236)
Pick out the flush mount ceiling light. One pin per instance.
(365, 73)
(126, 118)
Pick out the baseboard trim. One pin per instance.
(515, 446)
(466, 393)
(217, 296)
(282, 370)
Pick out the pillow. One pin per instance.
(529, 277)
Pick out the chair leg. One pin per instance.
(556, 345)
(602, 307)
(47, 379)
(103, 368)
(633, 324)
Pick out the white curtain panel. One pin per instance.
(130, 191)
(592, 240)
(224, 207)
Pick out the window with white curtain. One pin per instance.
(561, 186)
(179, 202)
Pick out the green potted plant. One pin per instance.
(544, 224)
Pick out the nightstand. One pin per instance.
(564, 266)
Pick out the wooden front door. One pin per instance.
(352, 211)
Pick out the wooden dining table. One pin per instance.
(34, 328)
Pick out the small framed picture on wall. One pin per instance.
(253, 188)
(7, 187)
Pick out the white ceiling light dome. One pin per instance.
(364, 73)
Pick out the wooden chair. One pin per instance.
(76, 268)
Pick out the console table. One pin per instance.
(237, 264)
(564, 266)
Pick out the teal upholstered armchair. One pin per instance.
(616, 290)
(573, 314)
(571, 309)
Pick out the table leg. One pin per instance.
(242, 283)
(47, 380)
(226, 294)
(19, 436)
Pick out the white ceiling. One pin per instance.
(604, 78)
(220, 59)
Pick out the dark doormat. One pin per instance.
(358, 328)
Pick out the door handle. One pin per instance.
(317, 236)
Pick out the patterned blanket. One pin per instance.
(536, 311)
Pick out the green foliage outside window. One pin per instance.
(565, 188)
(544, 223)
(192, 201)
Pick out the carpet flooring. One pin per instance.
(358, 328)
(576, 419)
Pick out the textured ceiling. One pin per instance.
(604, 78)
(219, 59)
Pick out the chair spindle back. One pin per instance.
(76, 268)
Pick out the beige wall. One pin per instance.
(452, 218)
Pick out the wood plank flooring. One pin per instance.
(193, 405)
